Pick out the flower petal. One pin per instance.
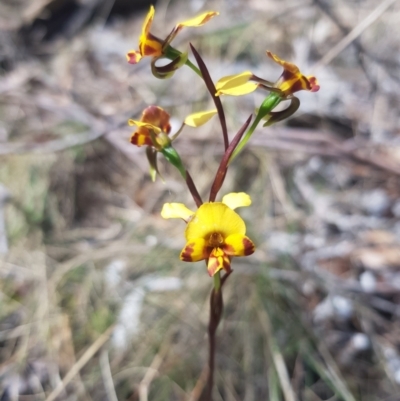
(144, 125)
(148, 21)
(157, 117)
(200, 118)
(238, 245)
(286, 65)
(236, 85)
(218, 260)
(236, 199)
(133, 57)
(195, 250)
(292, 80)
(176, 211)
(197, 21)
(214, 217)
(141, 137)
(313, 83)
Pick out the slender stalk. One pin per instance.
(270, 102)
(246, 138)
(223, 166)
(193, 190)
(211, 88)
(216, 309)
(172, 53)
(194, 68)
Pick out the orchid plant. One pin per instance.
(214, 232)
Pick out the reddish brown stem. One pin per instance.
(211, 88)
(221, 173)
(193, 190)
(216, 309)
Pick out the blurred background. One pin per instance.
(94, 303)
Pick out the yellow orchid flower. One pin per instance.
(153, 129)
(214, 232)
(291, 81)
(154, 119)
(151, 45)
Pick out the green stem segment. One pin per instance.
(269, 103)
(172, 53)
(172, 156)
(217, 282)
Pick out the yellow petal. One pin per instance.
(176, 211)
(195, 250)
(236, 85)
(148, 21)
(198, 21)
(214, 217)
(238, 245)
(236, 199)
(218, 260)
(200, 118)
(239, 90)
(234, 80)
(285, 64)
(157, 130)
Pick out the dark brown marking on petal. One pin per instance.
(287, 76)
(248, 245)
(140, 139)
(228, 249)
(186, 254)
(212, 265)
(226, 263)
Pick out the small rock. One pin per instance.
(360, 342)
(375, 203)
(368, 281)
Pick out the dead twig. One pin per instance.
(84, 359)
(353, 34)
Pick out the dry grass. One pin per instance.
(94, 303)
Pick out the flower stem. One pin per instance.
(217, 281)
(193, 67)
(171, 53)
(216, 308)
(269, 103)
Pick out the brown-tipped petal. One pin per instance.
(218, 260)
(238, 245)
(141, 137)
(158, 117)
(195, 250)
